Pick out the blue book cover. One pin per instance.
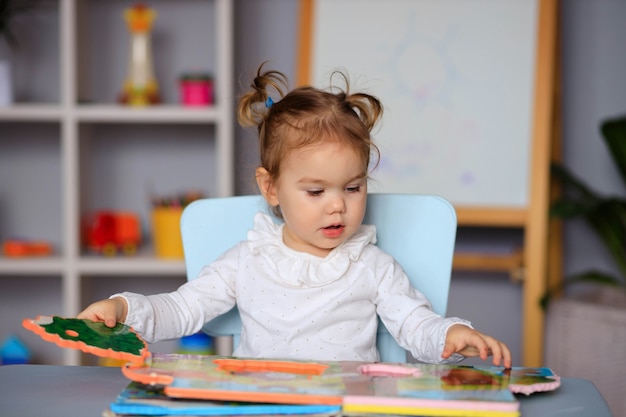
(144, 400)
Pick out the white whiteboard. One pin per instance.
(456, 79)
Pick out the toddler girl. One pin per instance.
(310, 287)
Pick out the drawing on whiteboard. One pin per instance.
(456, 83)
(425, 88)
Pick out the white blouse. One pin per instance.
(299, 306)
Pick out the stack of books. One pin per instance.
(201, 385)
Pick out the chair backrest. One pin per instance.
(419, 231)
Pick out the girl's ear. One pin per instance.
(266, 186)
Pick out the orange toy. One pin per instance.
(17, 248)
(108, 232)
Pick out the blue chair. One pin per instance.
(419, 231)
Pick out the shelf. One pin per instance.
(92, 265)
(152, 114)
(32, 113)
(112, 113)
(68, 148)
(53, 265)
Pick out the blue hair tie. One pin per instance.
(269, 102)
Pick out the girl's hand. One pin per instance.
(110, 311)
(470, 343)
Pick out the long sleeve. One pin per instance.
(408, 315)
(184, 311)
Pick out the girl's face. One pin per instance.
(322, 193)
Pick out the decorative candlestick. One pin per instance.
(140, 87)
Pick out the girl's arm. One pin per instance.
(429, 337)
(180, 313)
(409, 317)
(176, 314)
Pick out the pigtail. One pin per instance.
(256, 103)
(368, 108)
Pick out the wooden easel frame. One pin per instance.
(534, 218)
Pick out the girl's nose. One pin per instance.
(337, 205)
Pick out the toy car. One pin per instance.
(111, 232)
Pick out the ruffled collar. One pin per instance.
(302, 269)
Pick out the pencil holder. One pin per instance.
(166, 232)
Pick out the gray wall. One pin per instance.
(593, 88)
(265, 30)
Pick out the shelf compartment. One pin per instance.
(123, 166)
(30, 168)
(35, 62)
(183, 40)
(28, 297)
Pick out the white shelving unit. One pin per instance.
(83, 152)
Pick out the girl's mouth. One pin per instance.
(333, 230)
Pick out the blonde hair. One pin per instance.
(307, 116)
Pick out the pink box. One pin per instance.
(196, 90)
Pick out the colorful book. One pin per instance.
(359, 388)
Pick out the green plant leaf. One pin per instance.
(568, 209)
(608, 219)
(572, 183)
(614, 133)
(578, 200)
(605, 215)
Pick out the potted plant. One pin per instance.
(586, 331)
(606, 215)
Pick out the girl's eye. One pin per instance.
(354, 189)
(314, 193)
